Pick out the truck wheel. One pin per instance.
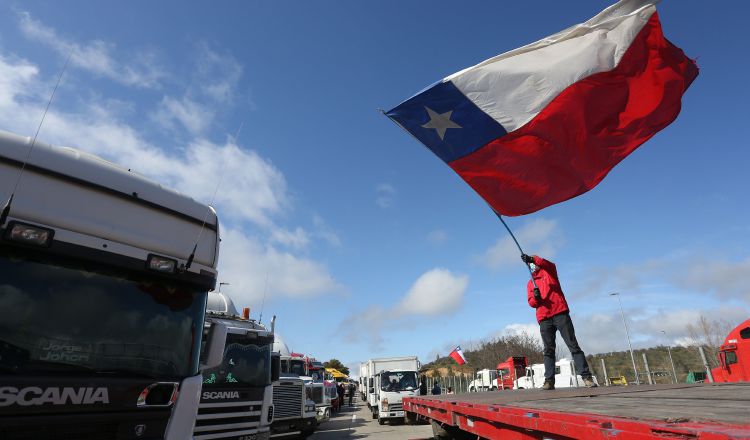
(444, 432)
(381, 422)
(472, 390)
(307, 433)
(410, 418)
(374, 415)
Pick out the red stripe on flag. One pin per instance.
(573, 143)
(457, 357)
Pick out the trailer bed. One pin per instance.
(688, 411)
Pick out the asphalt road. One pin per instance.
(357, 423)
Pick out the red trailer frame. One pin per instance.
(466, 417)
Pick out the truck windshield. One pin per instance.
(297, 367)
(62, 317)
(398, 381)
(244, 364)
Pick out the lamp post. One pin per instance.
(627, 333)
(669, 350)
(222, 284)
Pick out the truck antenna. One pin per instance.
(189, 261)
(6, 208)
(263, 304)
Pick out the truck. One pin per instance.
(484, 380)
(391, 379)
(363, 384)
(294, 409)
(734, 356)
(236, 397)
(565, 376)
(509, 371)
(681, 411)
(104, 286)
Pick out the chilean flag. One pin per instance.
(458, 355)
(546, 122)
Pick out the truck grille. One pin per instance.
(396, 407)
(287, 400)
(227, 419)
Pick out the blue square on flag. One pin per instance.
(446, 121)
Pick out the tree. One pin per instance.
(335, 363)
(709, 334)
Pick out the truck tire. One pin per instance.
(444, 432)
(374, 415)
(472, 390)
(381, 422)
(410, 418)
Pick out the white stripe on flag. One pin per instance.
(515, 86)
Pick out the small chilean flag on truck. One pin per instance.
(546, 122)
(458, 355)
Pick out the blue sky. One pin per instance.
(370, 244)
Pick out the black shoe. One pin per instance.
(548, 385)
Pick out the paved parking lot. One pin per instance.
(357, 423)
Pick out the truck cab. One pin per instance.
(484, 380)
(104, 301)
(734, 356)
(236, 398)
(511, 370)
(565, 376)
(294, 409)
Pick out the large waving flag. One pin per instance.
(458, 355)
(546, 122)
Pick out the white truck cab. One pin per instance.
(564, 376)
(484, 380)
(391, 380)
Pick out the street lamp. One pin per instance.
(627, 333)
(222, 284)
(669, 350)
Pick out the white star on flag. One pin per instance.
(440, 122)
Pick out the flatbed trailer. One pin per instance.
(683, 411)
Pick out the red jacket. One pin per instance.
(553, 300)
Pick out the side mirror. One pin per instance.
(275, 367)
(215, 339)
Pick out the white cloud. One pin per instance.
(724, 279)
(297, 238)
(435, 292)
(94, 56)
(324, 232)
(245, 262)
(386, 193)
(540, 237)
(193, 116)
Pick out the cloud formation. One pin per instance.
(435, 292)
(541, 237)
(385, 195)
(95, 56)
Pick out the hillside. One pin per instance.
(489, 354)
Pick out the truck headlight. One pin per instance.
(384, 403)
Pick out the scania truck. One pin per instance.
(103, 292)
(237, 396)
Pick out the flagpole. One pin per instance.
(531, 274)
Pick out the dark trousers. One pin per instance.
(548, 328)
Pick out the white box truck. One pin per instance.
(103, 291)
(389, 381)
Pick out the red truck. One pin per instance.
(510, 370)
(734, 356)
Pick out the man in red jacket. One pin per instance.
(552, 315)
